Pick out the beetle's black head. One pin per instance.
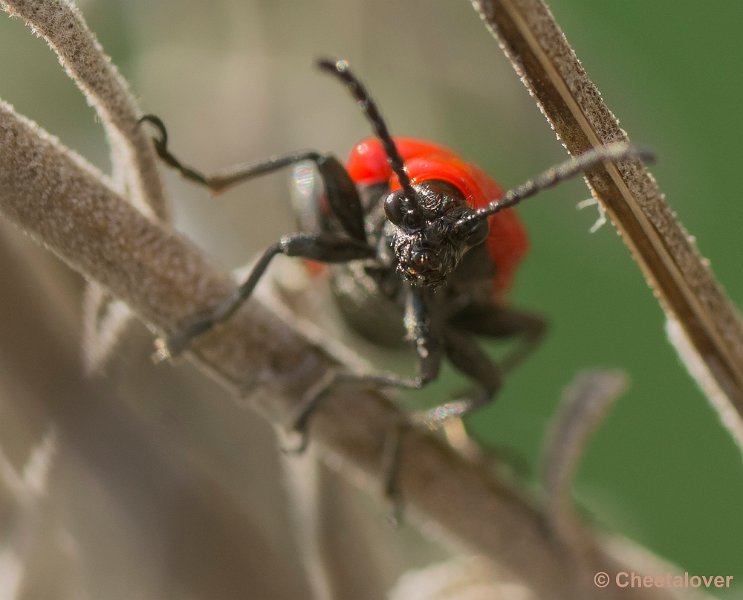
(427, 244)
(431, 231)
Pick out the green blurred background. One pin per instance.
(234, 81)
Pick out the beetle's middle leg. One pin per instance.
(343, 242)
(465, 354)
(322, 247)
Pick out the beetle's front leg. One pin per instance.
(424, 331)
(466, 355)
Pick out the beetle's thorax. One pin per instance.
(427, 245)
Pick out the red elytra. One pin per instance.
(507, 241)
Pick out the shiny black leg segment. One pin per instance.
(322, 247)
(231, 176)
(466, 355)
(428, 350)
(503, 322)
(342, 197)
(161, 147)
(300, 420)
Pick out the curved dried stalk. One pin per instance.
(133, 161)
(66, 204)
(709, 337)
(583, 407)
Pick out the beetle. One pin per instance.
(422, 246)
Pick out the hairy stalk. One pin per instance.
(133, 162)
(583, 408)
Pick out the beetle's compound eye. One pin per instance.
(397, 211)
(394, 207)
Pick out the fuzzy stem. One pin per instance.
(134, 163)
(583, 407)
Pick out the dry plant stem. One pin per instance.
(133, 162)
(681, 280)
(583, 407)
(60, 23)
(65, 204)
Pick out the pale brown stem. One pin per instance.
(60, 23)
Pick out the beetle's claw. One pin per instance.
(162, 140)
(300, 446)
(170, 347)
(162, 351)
(395, 513)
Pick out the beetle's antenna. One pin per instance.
(554, 175)
(342, 71)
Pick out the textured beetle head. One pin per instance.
(427, 245)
